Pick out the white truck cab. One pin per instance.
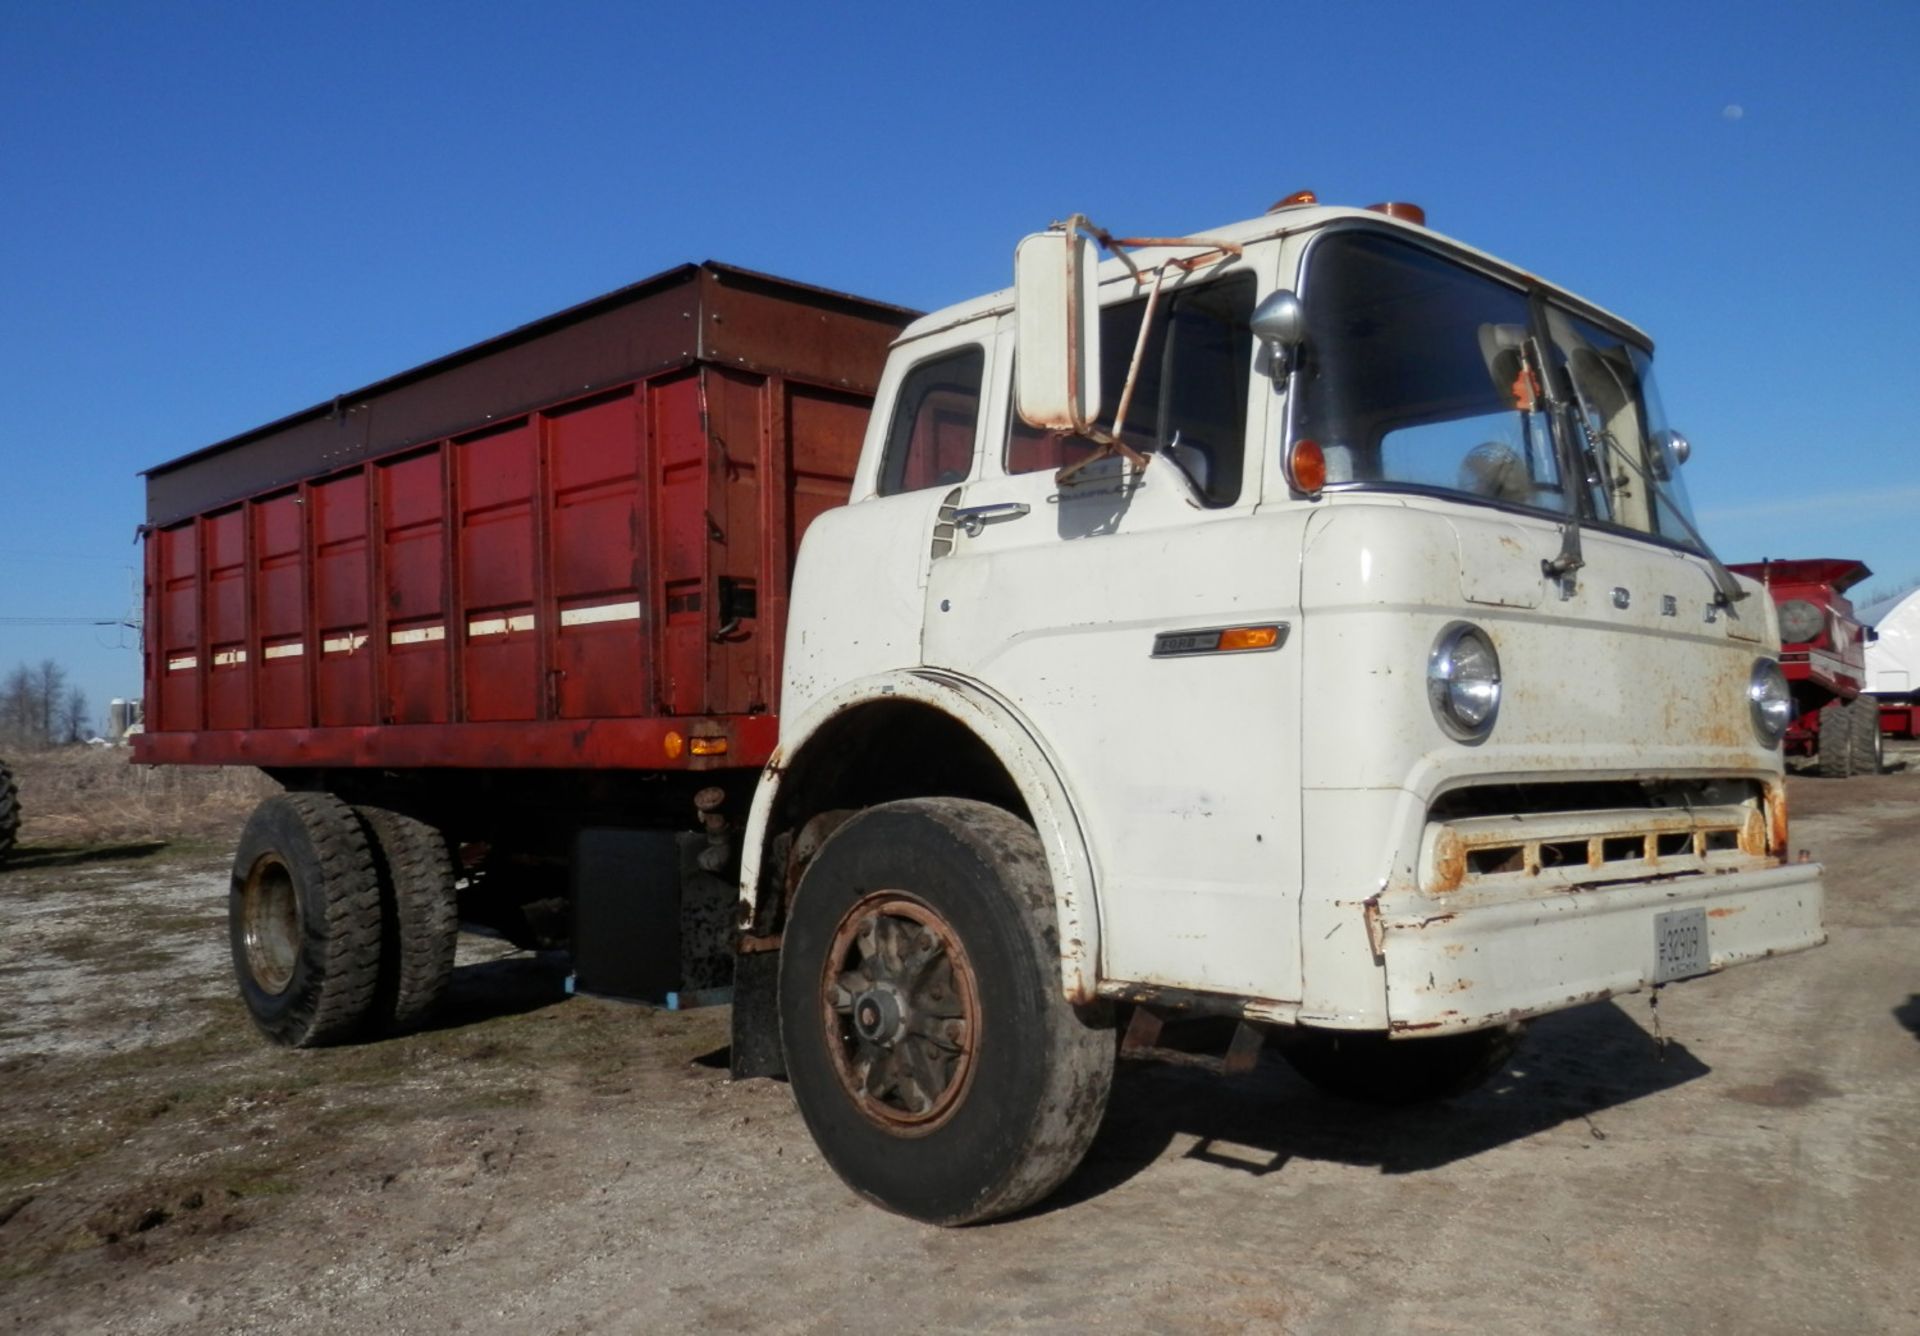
(1305, 627)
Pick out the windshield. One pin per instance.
(1421, 373)
(1619, 430)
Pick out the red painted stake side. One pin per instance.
(569, 546)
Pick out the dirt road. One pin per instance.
(541, 1163)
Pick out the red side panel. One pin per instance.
(568, 546)
(598, 639)
(497, 480)
(177, 636)
(683, 506)
(413, 577)
(224, 537)
(825, 431)
(278, 647)
(739, 675)
(341, 579)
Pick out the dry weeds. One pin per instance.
(79, 797)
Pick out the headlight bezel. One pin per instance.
(1451, 695)
(1768, 697)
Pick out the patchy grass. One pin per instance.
(88, 805)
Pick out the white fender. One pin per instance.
(1012, 742)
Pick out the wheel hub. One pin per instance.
(901, 1009)
(270, 924)
(878, 1016)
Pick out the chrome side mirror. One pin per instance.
(1280, 323)
(1671, 450)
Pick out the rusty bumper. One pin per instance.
(1473, 965)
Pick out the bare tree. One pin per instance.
(49, 689)
(40, 708)
(74, 724)
(17, 706)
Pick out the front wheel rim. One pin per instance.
(270, 924)
(901, 1007)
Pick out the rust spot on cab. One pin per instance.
(1726, 911)
(1776, 803)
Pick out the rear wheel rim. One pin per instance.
(901, 1007)
(270, 924)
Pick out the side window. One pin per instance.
(930, 443)
(1191, 400)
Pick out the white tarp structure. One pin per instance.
(1893, 661)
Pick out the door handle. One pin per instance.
(975, 518)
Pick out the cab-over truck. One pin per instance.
(1300, 626)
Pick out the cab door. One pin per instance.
(1089, 605)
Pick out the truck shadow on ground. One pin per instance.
(511, 986)
(1571, 1067)
(43, 857)
(1908, 1014)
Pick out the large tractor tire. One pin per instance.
(1833, 744)
(419, 915)
(928, 1040)
(1373, 1069)
(9, 812)
(303, 916)
(1863, 728)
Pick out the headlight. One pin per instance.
(1770, 701)
(1800, 621)
(1463, 682)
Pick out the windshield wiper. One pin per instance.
(1559, 569)
(1726, 589)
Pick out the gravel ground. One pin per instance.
(542, 1162)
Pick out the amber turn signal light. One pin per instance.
(1250, 637)
(709, 746)
(1307, 467)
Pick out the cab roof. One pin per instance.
(1281, 222)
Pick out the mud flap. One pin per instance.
(756, 1016)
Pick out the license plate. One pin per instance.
(1680, 945)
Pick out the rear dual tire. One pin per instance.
(419, 916)
(341, 920)
(303, 918)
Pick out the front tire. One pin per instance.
(303, 918)
(928, 1040)
(1373, 1069)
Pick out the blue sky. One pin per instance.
(211, 216)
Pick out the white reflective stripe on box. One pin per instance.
(499, 626)
(604, 612)
(346, 644)
(227, 658)
(183, 663)
(417, 635)
(289, 651)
